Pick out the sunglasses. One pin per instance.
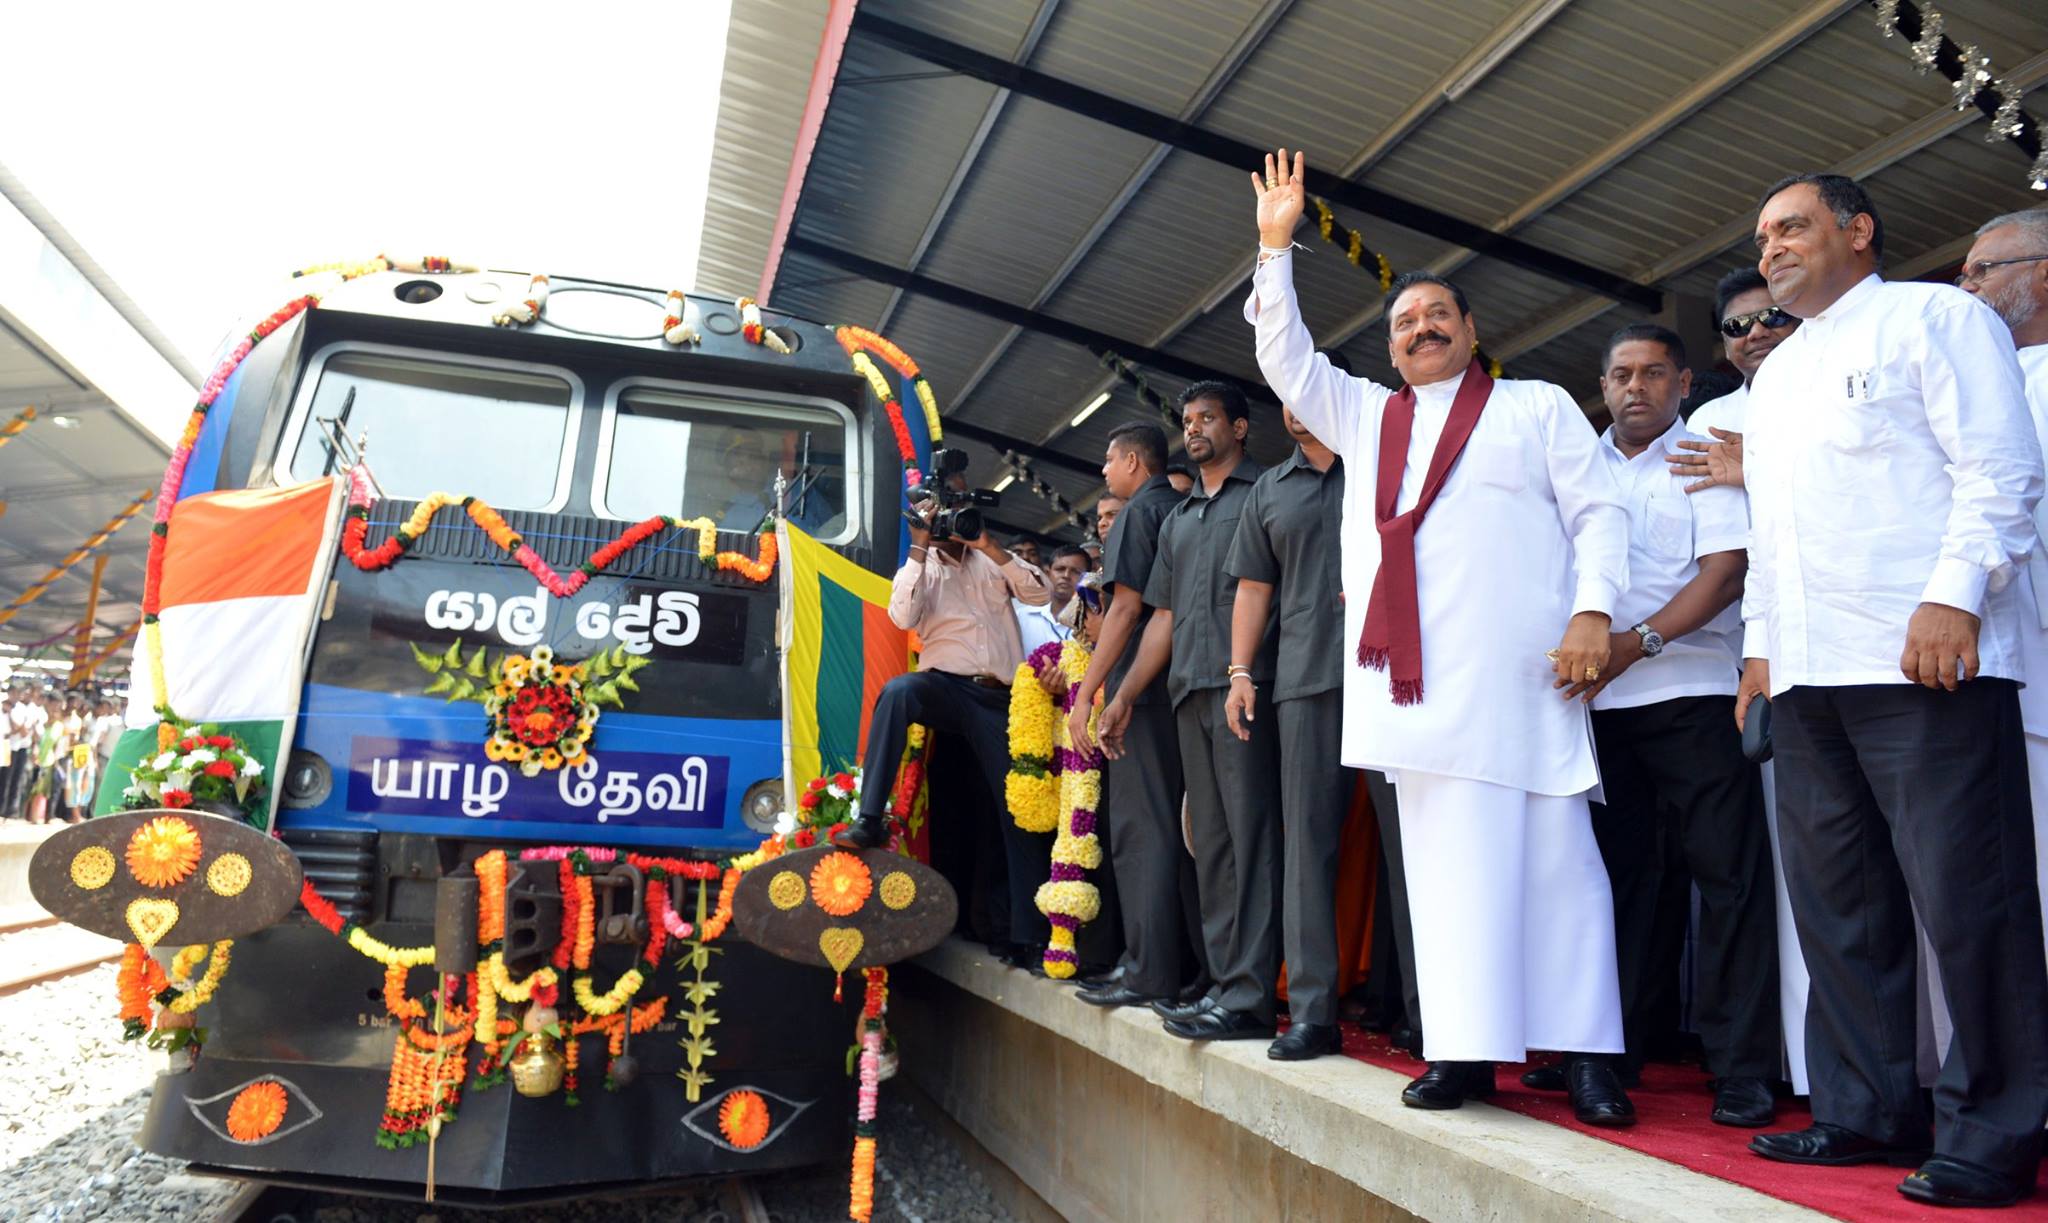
(1735, 326)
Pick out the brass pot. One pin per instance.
(538, 1067)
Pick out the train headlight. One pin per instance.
(763, 802)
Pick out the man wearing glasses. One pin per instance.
(2007, 268)
(1751, 326)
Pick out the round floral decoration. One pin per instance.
(256, 1112)
(787, 890)
(540, 719)
(743, 1119)
(898, 890)
(229, 875)
(163, 852)
(92, 868)
(840, 883)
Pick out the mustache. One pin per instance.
(1426, 337)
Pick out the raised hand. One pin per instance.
(1711, 464)
(1283, 194)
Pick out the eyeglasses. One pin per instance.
(1735, 326)
(1974, 273)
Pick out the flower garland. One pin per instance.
(137, 984)
(196, 994)
(1067, 899)
(908, 799)
(526, 310)
(1031, 790)
(679, 325)
(859, 342)
(355, 540)
(753, 331)
(861, 1201)
(540, 719)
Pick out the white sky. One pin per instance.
(203, 152)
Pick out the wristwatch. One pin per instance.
(1653, 641)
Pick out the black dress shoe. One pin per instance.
(1551, 1078)
(1597, 1097)
(1113, 976)
(1167, 1008)
(1745, 1102)
(1116, 995)
(1947, 1181)
(1219, 1024)
(866, 832)
(1304, 1041)
(1449, 1085)
(1833, 1146)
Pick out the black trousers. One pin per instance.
(1234, 821)
(1315, 798)
(1154, 874)
(10, 786)
(1894, 798)
(1682, 799)
(980, 716)
(1393, 894)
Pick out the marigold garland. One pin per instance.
(163, 852)
(1067, 899)
(257, 1111)
(200, 992)
(137, 984)
(609, 1002)
(861, 1199)
(356, 530)
(753, 331)
(1030, 790)
(840, 884)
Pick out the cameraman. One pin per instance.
(954, 592)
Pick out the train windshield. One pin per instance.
(508, 431)
(693, 454)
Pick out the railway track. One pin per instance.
(35, 947)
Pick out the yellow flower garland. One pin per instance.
(387, 955)
(509, 990)
(1030, 790)
(609, 1002)
(1076, 900)
(202, 990)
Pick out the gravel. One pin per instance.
(76, 1092)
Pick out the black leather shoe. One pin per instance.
(1834, 1147)
(1449, 1085)
(1545, 1078)
(1116, 995)
(1219, 1024)
(1167, 1008)
(1304, 1041)
(1745, 1102)
(866, 832)
(1597, 1097)
(1113, 976)
(1947, 1181)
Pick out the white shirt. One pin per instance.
(2034, 583)
(1669, 531)
(1038, 625)
(1890, 462)
(1527, 530)
(1729, 412)
(25, 723)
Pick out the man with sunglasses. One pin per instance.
(1751, 326)
(2007, 268)
(1894, 473)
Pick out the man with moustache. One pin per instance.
(1893, 473)
(1232, 783)
(1671, 765)
(1751, 325)
(1285, 549)
(1154, 875)
(1480, 523)
(1042, 623)
(1107, 507)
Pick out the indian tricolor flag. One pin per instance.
(243, 573)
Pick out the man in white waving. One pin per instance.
(1479, 523)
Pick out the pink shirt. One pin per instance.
(961, 610)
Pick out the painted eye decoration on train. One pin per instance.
(257, 1112)
(744, 1120)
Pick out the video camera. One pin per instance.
(958, 513)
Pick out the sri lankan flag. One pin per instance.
(241, 581)
(842, 647)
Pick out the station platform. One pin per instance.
(1106, 1117)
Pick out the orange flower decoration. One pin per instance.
(163, 852)
(743, 1119)
(256, 1112)
(840, 883)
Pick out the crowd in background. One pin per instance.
(55, 752)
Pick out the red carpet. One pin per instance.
(1672, 1108)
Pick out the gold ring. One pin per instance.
(1592, 673)
(1271, 182)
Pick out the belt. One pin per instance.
(985, 681)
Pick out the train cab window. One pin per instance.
(692, 455)
(499, 434)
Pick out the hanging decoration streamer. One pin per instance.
(1132, 377)
(1971, 81)
(1021, 468)
(1333, 231)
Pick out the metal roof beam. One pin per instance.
(1031, 450)
(1241, 156)
(1017, 316)
(969, 156)
(1696, 97)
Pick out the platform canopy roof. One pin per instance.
(1008, 189)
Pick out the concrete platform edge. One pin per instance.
(1346, 1117)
